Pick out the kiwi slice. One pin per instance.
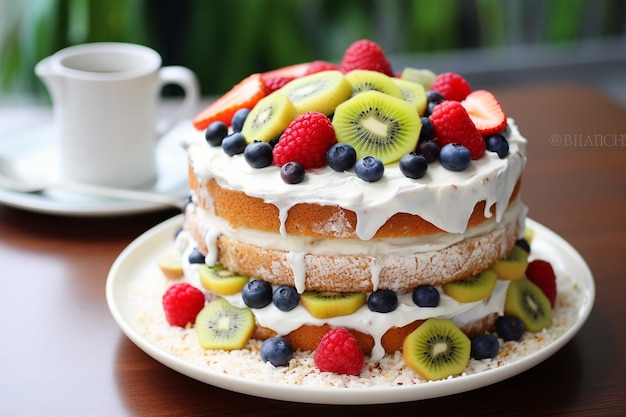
(366, 80)
(268, 118)
(220, 280)
(325, 304)
(413, 93)
(425, 77)
(474, 288)
(527, 302)
(321, 92)
(376, 124)
(513, 266)
(171, 264)
(437, 349)
(219, 325)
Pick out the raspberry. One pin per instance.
(339, 352)
(451, 86)
(319, 66)
(367, 55)
(541, 273)
(274, 83)
(452, 124)
(182, 302)
(306, 140)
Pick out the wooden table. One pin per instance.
(63, 354)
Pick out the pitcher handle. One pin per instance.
(187, 80)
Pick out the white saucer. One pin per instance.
(34, 148)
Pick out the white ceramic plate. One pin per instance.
(141, 256)
(34, 149)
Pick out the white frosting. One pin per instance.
(442, 197)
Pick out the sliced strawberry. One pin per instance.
(541, 273)
(293, 71)
(244, 95)
(485, 111)
(319, 66)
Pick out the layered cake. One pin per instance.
(348, 204)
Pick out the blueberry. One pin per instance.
(498, 144)
(276, 351)
(257, 293)
(369, 168)
(238, 118)
(292, 172)
(196, 257)
(413, 165)
(455, 157)
(234, 144)
(428, 130)
(215, 133)
(286, 298)
(509, 328)
(382, 301)
(426, 296)
(484, 346)
(258, 154)
(341, 157)
(429, 149)
(523, 243)
(433, 98)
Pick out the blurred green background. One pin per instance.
(222, 41)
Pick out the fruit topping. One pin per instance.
(523, 243)
(215, 133)
(426, 296)
(319, 66)
(234, 144)
(528, 303)
(485, 111)
(437, 349)
(292, 172)
(275, 83)
(413, 93)
(171, 264)
(382, 301)
(341, 157)
(425, 77)
(277, 351)
(474, 288)
(338, 352)
(366, 80)
(368, 55)
(451, 86)
(258, 154)
(181, 304)
(222, 326)
(497, 143)
(413, 165)
(220, 280)
(289, 71)
(326, 304)
(513, 266)
(269, 118)
(509, 328)
(321, 92)
(257, 293)
(484, 346)
(427, 133)
(429, 149)
(455, 157)
(285, 298)
(452, 124)
(243, 95)
(196, 257)
(540, 272)
(379, 125)
(239, 118)
(369, 168)
(306, 140)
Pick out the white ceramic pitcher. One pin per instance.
(106, 100)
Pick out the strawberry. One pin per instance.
(541, 273)
(181, 303)
(243, 95)
(452, 124)
(368, 55)
(485, 111)
(293, 71)
(451, 86)
(306, 140)
(339, 352)
(319, 66)
(274, 83)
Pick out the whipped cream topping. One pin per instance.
(442, 197)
